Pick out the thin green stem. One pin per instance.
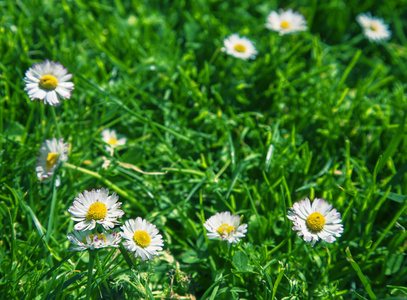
(231, 252)
(52, 212)
(90, 274)
(126, 256)
(100, 270)
(225, 253)
(109, 184)
(54, 116)
(214, 56)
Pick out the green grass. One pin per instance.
(319, 114)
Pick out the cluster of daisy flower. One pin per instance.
(289, 22)
(314, 222)
(98, 207)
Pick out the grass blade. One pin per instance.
(359, 272)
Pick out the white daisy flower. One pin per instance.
(87, 240)
(52, 153)
(374, 28)
(48, 81)
(96, 207)
(142, 238)
(315, 222)
(286, 22)
(110, 137)
(225, 226)
(240, 47)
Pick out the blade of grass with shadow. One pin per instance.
(360, 274)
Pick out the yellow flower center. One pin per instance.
(92, 236)
(373, 27)
(52, 159)
(112, 141)
(96, 211)
(142, 238)
(315, 222)
(240, 48)
(225, 228)
(48, 82)
(285, 25)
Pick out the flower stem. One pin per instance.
(100, 270)
(90, 274)
(52, 211)
(231, 252)
(126, 256)
(54, 116)
(109, 184)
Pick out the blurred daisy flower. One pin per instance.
(374, 28)
(96, 207)
(239, 47)
(48, 81)
(315, 222)
(110, 138)
(142, 238)
(52, 153)
(84, 240)
(286, 22)
(225, 226)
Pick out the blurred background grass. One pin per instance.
(317, 114)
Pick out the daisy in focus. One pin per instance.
(286, 22)
(239, 47)
(84, 240)
(316, 221)
(142, 238)
(48, 81)
(226, 227)
(110, 138)
(52, 153)
(96, 207)
(374, 29)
